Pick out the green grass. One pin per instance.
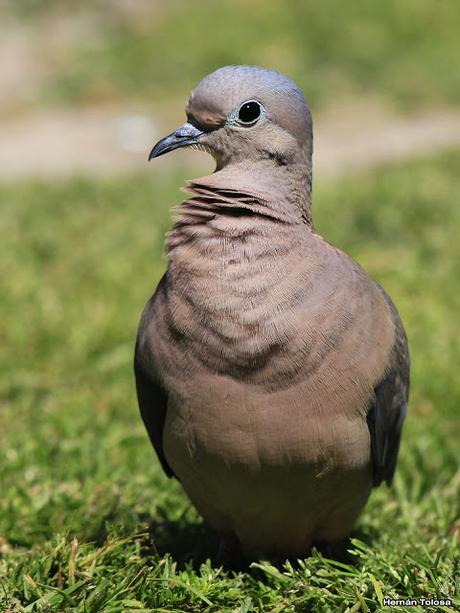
(408, 52)
(87, 520)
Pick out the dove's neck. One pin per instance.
(284, 189)
(239, 213)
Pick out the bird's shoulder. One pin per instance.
(338, 268)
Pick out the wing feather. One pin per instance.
(389, 407)
(153, 402)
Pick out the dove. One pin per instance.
(272, 372)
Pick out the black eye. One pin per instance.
(249, 112)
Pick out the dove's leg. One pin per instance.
(229, 553)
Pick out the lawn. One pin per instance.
(88, 522)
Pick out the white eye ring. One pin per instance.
(247, 113)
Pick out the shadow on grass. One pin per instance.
(191, 544)
(187, 543)
(340, 551)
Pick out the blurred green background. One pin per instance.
(87, 520)
(155, 51)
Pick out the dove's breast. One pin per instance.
(270, 304)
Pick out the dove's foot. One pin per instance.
(229, 554)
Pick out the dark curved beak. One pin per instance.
(187, 134)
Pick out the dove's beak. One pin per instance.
(184, 136)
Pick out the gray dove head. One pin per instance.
(245, 113)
